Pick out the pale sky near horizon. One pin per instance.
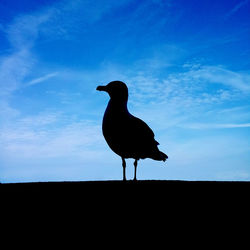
(187, 67)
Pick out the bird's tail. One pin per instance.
(160, 156)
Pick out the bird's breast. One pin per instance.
(115, 121)
(112, 122)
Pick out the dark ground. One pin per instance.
(144, 195)
(181, 211)
(117, 185)
(173, 198)
(142, 189)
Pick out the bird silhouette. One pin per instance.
(127, 135)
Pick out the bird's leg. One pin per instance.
(135, 164)
(124, 169)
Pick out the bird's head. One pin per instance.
(117, 90)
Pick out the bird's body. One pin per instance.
(127, 135)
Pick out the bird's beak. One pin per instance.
(101, 88)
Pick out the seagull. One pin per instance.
(127, 135)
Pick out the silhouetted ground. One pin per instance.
(115, 185)
(171, 205)
(164, 189)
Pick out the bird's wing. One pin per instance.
(139, 129)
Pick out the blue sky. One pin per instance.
(187, 66)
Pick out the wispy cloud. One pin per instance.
(218, 74)
(236, 8)
(7, 112)
(196, 84)
(14, 67)
(215, 126)
(70, 18)
(24, 30)
(42, 78)
(55, 21)
(47, 136)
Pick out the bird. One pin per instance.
(127, 135)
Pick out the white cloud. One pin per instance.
(215, 126)
(55, 21)
(13, 69)
(24, 30)
(42, 78)
(21, 34)
(191, 86)
(70, 18)
(47, 136)
(189, 89)
(236, 8)
(217, 74)
(7, 112)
